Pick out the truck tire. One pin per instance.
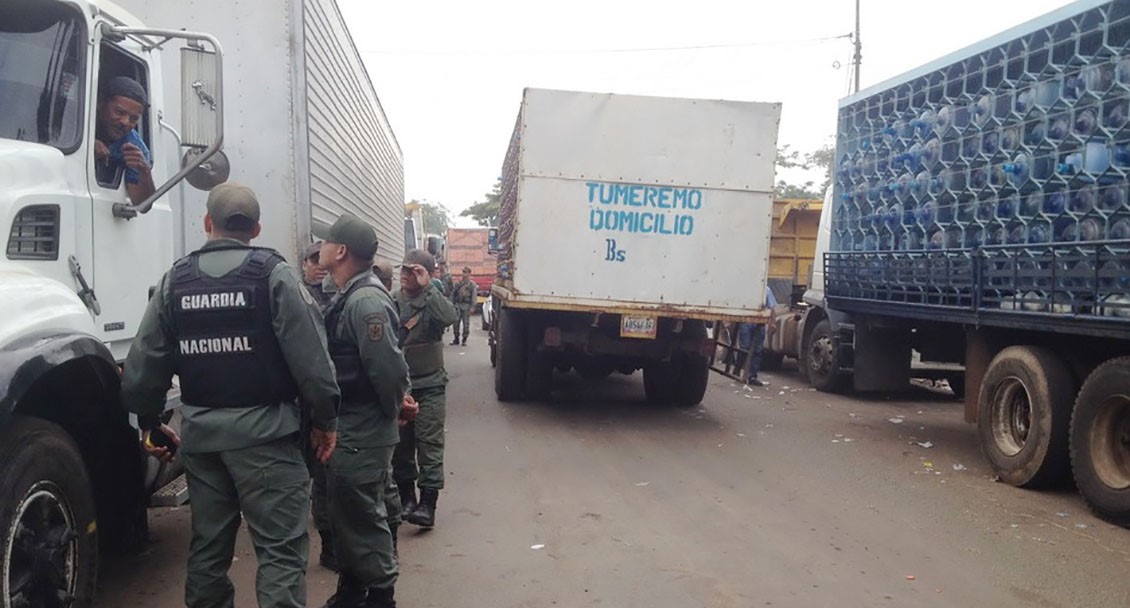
(48, 535)
(510, 363)
(821, 360)
(1100, 441)
(539, 368)
(693, 374)
(1024, 414)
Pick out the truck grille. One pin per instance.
(35, 234)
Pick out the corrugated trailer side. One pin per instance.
(355, 162)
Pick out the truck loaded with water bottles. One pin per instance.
(979, 216)
(80, 257)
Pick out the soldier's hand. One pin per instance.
(421, 274)
(160, 452)
(323, 443)
(408, 410)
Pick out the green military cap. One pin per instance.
(419, 257)
(233, 206)
(353, 232)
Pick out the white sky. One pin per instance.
(450, 73)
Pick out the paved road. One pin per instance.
(779, 496)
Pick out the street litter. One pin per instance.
(910, 577)
(741, 434)
(537, 547)
(642, 484)
(959, 467)
(924, 444)
(1081, 526)
(1062, 514)
(781, 393)
(769, 426)
(853, 415)
(894, 420)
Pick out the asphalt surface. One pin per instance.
(777, 496)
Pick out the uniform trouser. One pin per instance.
(357, 484)
(268, 484)
(464, 320)
(392, 501)
(419, 455)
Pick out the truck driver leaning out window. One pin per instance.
(118, 146)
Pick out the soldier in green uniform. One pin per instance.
(244, 337)
(463, 297)
(361, 324)
(424, 313)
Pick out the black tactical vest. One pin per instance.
(227, 352)
(354, 383)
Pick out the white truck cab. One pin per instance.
(79, 258)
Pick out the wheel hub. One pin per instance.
(41, 552)
(1011, 416)
(820, 359)
(1110, 442)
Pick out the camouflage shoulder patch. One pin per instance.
(412, 321)
(376, 331)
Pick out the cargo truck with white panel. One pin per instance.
(623, 222)
(980, 216)
(301, 125)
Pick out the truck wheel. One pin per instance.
(48, 535)
(659, 379)
(693, 374)
(510, 363)
(1023, 417)
(821, 359)
(1100, 441)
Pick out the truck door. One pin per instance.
(129, 255)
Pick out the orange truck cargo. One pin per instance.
(468, 247)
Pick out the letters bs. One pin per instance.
(612, 254)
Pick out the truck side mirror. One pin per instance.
(202, 117)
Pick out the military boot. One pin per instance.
(407, 497)
(455, 342)
(351, 593)
(424, 515)
(380, 598)
(464, 340)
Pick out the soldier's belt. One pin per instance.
(423, 359)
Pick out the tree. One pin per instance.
(436, 216)
(819, 160)
(486, 211)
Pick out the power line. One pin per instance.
(658, 49)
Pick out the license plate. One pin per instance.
(638, 327)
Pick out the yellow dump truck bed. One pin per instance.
(793, 241)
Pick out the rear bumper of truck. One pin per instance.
(512, 299)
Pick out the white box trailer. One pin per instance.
(624, 221)
(303, 125)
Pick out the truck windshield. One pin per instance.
(41, 55)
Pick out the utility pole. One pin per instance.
(858, 48)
